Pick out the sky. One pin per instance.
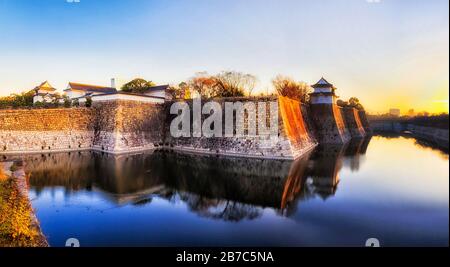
(388, 53)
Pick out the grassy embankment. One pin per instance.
(18, 227)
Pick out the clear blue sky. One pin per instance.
(384, 51)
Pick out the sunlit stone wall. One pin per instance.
(122, 126)
(38, 130)
(113, 126)
(353, 122)
(364, 121)
(126, 126)
(330, 124)
(294, 133)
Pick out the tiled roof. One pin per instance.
(157, 88)
(90, 88)
(45, 86)
(322, 83)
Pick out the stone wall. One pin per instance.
(353, 122)
(329, 124)
(125, 126)
(435, 135)
(387, 126)
(364, 121)
(122, 126)
(39, 130)
(293, 138)
(346, 131)
(111, 126)
(295, 126)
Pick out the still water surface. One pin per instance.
(393, 189)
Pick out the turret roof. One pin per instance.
(45, 86)
(322, 83)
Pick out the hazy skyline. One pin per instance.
(388, 53)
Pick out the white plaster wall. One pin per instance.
(37, 98)
(126, 97)
(74, 94)
(322, 90)
(323, 99)
(12, 142)
(161, 93)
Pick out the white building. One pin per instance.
(80, 90)
(126, 96)
(44, 93)
(160, 91)
(324, 93)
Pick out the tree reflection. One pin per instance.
(226, 210)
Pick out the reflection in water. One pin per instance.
(356, 147)
(229, 189)
(335, 195)
(423, 144)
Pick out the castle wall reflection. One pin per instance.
(168, 198)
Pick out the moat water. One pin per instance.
(390, 188)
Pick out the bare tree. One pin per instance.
(203, 83)
(233, 83)
(286, 86)
(224, 84)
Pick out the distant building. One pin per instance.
(411, 113)
(324, 93)
(394, 112)
(80, 90)
(44, 93)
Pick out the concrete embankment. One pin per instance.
(436, 136)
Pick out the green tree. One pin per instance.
(341, 103)
(24, 99)
(354, 102)
(137, 85)
(39, 104)
(88, 103)
(67, 102)
(55, 101)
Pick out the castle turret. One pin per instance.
(326, 115)
(324, 93)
